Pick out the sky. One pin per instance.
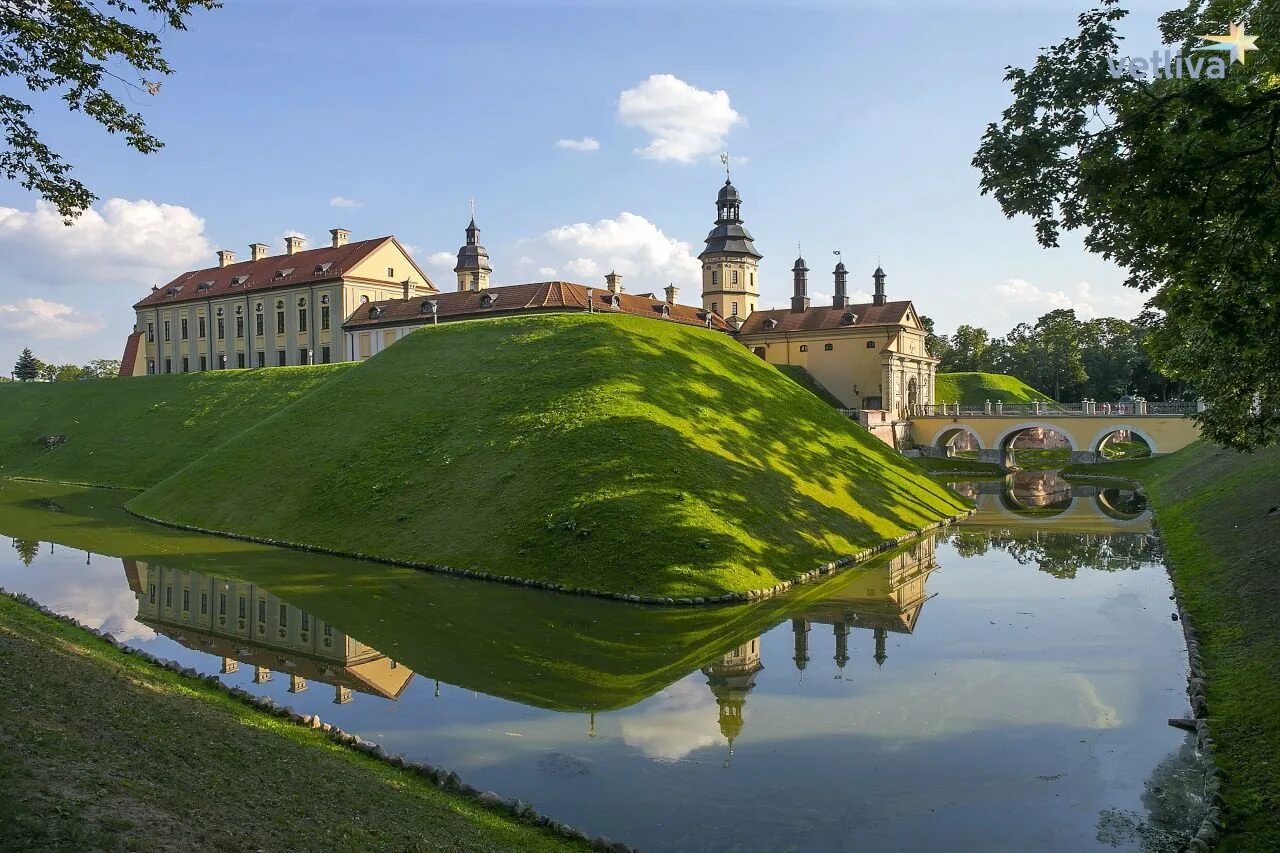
(588, 135)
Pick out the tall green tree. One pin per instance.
(86, 52)
(936, 345)
(27, 367)
(27, 550)
(1177, 179)
(102, 368)
(1056, 350)
(967, 351)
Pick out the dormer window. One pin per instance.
(849, 318)
(771, 323)
(239, 280)
(204, 286)
(322, 268)
(284, 273)
(173, 291)
(429, 306)
(374, 312)
(666, 310)
(487, 300)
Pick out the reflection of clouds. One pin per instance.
(97, 594)
(677, 721)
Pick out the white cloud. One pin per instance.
(678, 721)
(549, 272)
(444, 261)
(684, 122)
(586, 143)
(1018, 294)
(632, 245)
(141, 242)
(339, 201)
(41, 318)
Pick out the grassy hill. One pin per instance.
(805, 379)
(598, 451)
(1219, 518)
(974, 389)
(136, 432)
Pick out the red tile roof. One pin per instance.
(824, 317)
(131, 345)
(311, 265)
(523, 299)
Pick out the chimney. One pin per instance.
(841, 298)
(614, 282)
(226, 258)
(293, 245)
(258, 251)
(879, 297)
(406, 284)
(340, 236)
(672, 293)
(800, 296)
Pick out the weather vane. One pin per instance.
(473, 208)
(724, 160)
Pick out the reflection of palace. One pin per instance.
(882, 599)
(243, 623)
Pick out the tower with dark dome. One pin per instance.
(730, 262)
(731, 677)
(473, 262)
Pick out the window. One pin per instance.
(222, 329)
(240, 327)
(184, 328)
(733, 276)
(151, 593)
(222, 604)
(306, 621)
(242, 606)
(753, 279)
(714, 308)
(200, 326)
(240, 360)
(324, 355)
(391, 272)
(302, 319)
(151, 367)
(752, 308)
(151, 333)
(262, 359)
(804, 348)
(168, 365)
(166, 331)
(186, 600)
(734, 313)
(257, 330)
(715, 278)
(204, 603)
(828, 347)
(186, 364)
(871, 344)
(280, 357)
(279, 322)
(168, 596)
(262, 610)
(204, 362)
(324, 317)
(304, 356)
(328, 630)
(284, 615)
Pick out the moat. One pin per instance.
(1002, 685)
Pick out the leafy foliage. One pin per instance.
(28, 367)
(70, 47)
(1175, 179)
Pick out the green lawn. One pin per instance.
(135, 432)
(599, 451)
(966, 465)
(974, 389)
(102, 751)
(1219, 518)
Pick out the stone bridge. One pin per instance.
(1165, 427)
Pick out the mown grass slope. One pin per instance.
(974, 389)
(1219, 518)
(599, 451)
(135, 432)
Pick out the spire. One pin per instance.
(878, 276)
(880, 656)
(473, 259)
(800, 628)
(800, 280)
(841, 297)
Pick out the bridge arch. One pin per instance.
(944, 435)
(1111, 429)
(1006, 436)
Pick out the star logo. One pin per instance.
(1235, 41)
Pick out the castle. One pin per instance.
(350, 300)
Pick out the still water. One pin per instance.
(1002, 686)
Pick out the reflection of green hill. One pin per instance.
(543, 649)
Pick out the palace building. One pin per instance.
(350, 300)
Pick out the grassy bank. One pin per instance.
(934, 465)
(804, 378)
(974, 389)
(101, 751)
(1219, 517)
(136, 432)
(599, 451)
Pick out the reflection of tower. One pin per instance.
(842, 647)
(591, 728)
(800, 627)
(881, 657)
(731, 678)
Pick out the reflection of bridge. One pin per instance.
(1165, 427)
(1042, 500)
(244, 623)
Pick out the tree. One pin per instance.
(1175, 178)
(27, 550)
(61, 373)
(27, 367)
(76, 49)
(936, 345)
(102, 368)
(1056, 350)
(967, 351)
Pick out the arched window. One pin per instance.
(804, 348)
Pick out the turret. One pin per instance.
(730, 261)
(841, 298)
(878, 276)
(800, 286)
(473, 262)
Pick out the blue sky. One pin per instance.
(852, 127)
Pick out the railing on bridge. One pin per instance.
(1139, 408)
